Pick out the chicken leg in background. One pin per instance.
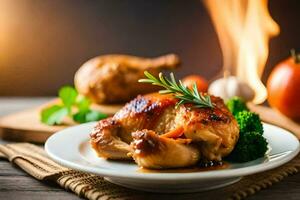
(114, 78)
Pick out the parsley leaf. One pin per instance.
(54, 114)
(88, 116)
(83, 103)
(68, 96)
(70, 99)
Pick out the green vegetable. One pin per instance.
(181, 92)
(88, 116)
(250, 146)
(70, 100)
(68, 96)
(249, 122)
(83, 103)
(54, 114)
(236, 105)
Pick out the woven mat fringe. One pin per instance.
(35, 162)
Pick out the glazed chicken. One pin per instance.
(114, 78)
(156, 134)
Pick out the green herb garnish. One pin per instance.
(73, 105)
(181, 92)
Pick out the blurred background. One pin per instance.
(44, 42)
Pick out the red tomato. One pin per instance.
(284, 88)
(201, 83)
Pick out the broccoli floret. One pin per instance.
(250, 146)
(249, 122)
(236, 105)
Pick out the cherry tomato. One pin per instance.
(283, 87)
(201, 83)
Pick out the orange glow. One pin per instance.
(244, 28)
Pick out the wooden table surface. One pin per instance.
(16, 184)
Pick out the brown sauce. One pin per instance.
(198, 168)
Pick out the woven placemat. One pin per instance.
(34, 161)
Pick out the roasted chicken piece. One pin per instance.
(114, 78)
(141, 130)
(152, 151)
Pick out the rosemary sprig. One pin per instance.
(181, 92)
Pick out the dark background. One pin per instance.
(43, 42)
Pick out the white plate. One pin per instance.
(70, 147)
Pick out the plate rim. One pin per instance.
(216, 174)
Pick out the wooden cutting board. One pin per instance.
(25, 126)
(274, 117)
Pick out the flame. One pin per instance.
(244, 28)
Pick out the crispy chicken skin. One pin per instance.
(207, 133)
(152, 151)
(106, 140)
(114, 78)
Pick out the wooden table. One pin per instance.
(16, 184)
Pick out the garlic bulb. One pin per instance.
(229, 87)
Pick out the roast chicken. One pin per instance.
(158, 135)
(114, 78)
